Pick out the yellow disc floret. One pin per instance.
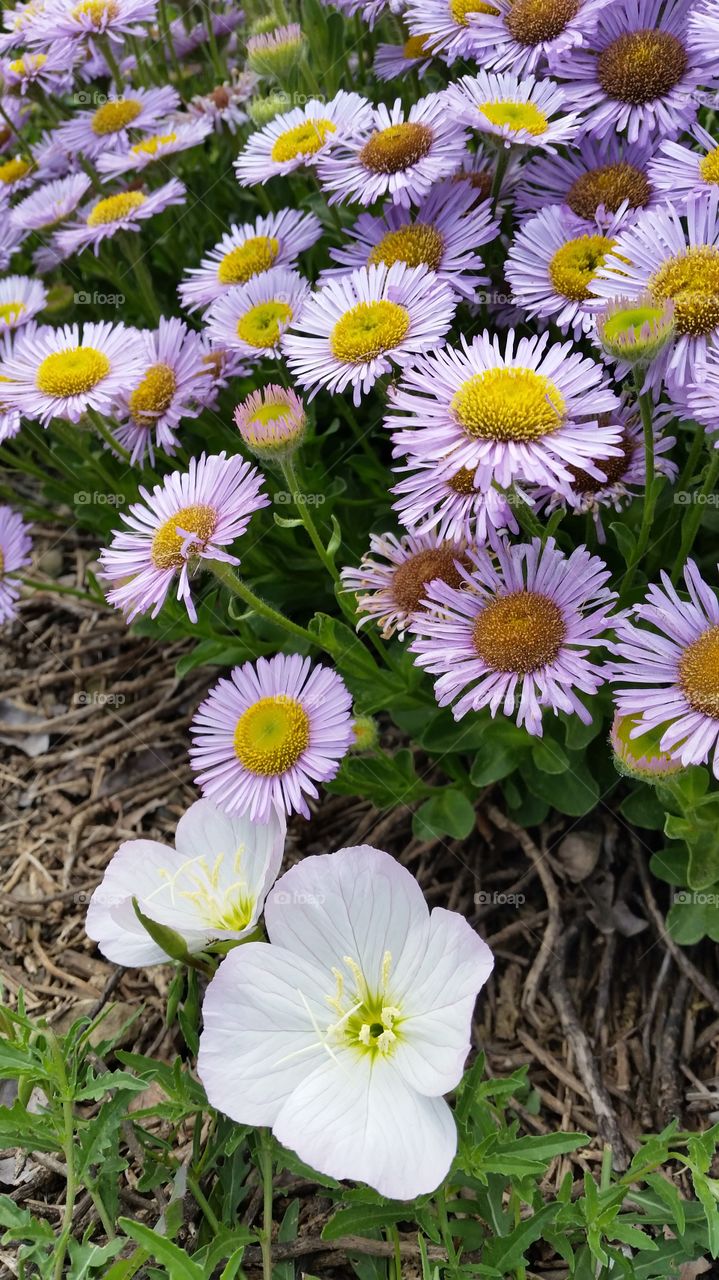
(520, 632)
(515, 116)
(419, 245)
(264, 324)
(573, 267)
(301, 141)
(271, 735)
(699, 673)
(115, 208)
(73, 372)
(369, 329)
(114, 116)
(514, 404)
(169, 550)
(153, 396)
(255, 255)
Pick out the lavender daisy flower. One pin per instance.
(526, 35)
(52, 71)
(272, 422)
(704, 30)
(624, 476)
(453, 28)
(176, 383)
(50, 204)
(16, 22)
(20, 299)
(528, 112)
(551, 267)
(266, 736)
(432, 499)
(656, 256)
(188, 518)
(124, 211)
(15, 547)
(701, 398)
(354, 328)
(443, 235)
(61, 373)
(596, 180)
(299, 137)
(224, 106)
(391, 579)
(394, 153)
(394, 60)
(274, 240)
(640, 74)
(526, 412)
(106, 128)
(517, 634)
(251, 318)
(678, 172)
(174, 136)
(668, 663)
(88, 18)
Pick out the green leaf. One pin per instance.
(179, 1266)
(548, 756)
(643, 809)
(507, 1253)
(168, 939)
(625, 539)
(362, 1219)
(574, 792)
(449, 813)
(31, 1132)
(385, 780)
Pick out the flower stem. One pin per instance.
(650, 485)
(141, 275)
(499, 172)
(692, 520)
(299, 498)
(227, 576)
(264, 1155)
(106, 47)
(104, 431)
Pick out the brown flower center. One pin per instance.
(396, 148)
(641, 66)
(532, 21)
(699, 673)
(614, 468)
(519, 632)
(411, 578)
(610, 185)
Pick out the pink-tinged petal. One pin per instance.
(358, 902)
(437, 1001)
(355, 1117)
(259, 1039)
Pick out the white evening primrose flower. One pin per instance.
(345, 1031)
(211, 887)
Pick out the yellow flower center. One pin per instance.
(72, 372)
(114, 116)
(14, 170)
(691, 279)
(573, 267)
(508, 405)
(519, 632)
(151, 146)
(115, 208)
(153, 396)
(418, 244)
(396, 148)
(532, 21)
(264, 324)
(9, 311)
(367, 1021)
(609, 185)
(98, 11)
(167, 544)
(416, 47)
(28, 63)
(641, 66)
(249, 259)
(367, 330)
(515, 116)
(411, 578)
(304, 140)
(271, 735)
(709, 166)
(463, 10)
(699, 673)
